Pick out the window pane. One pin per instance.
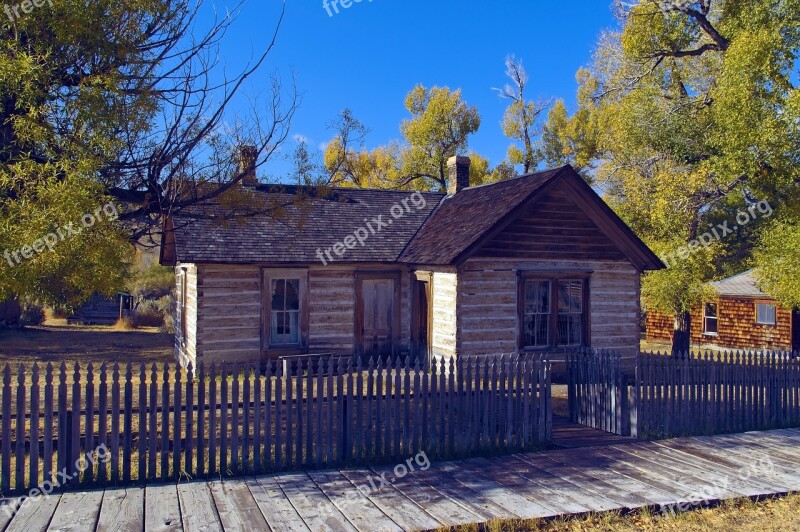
(766, 314)
(570, 313)
(278, 294)
(537, 296)
(537, 314)
(292, 294)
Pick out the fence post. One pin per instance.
(633, 418)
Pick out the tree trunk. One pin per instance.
(682, 338)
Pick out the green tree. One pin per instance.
(119, 101)
(521, 119)
(696, 114)
(438, 129)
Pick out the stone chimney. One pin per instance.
(247, 156)
(457, 174)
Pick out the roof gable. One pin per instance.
(741, 285)
(465, 223)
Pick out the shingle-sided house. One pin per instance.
(534, 263)
(741, 316)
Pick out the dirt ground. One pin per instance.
(83, 344)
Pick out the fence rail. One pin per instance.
(683, 395)
(85, 426)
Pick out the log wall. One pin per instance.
(488, 318)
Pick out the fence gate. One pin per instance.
(598, 391)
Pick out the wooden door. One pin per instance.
(376, 327)
(421, 318)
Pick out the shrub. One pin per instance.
(155, 313)
(32, 315)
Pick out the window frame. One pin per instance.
(774, 323)
(268, 275)
(706, 317)
(554, 278)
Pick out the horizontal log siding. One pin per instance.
(185, 349)
(445, 327)
(332, 310)
(229, 311)
(488, 319)
(229, 321)
(737, 326)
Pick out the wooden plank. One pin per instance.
(274, 505)
(19, 477)
(433, 501)
(197, 507)
(162, 511)
(34, 515)
(356, 507)
(773, 482)
(622, 497)
(238, 510)
(142, 422)
(481, 493)
(5, 464)
(399, 508)
(698, 479)
(77, 512)
(122, 511)
(102, 423)
(311, 504)
(115, 432)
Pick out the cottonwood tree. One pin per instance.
(697, 114)
(125, 101)
(439, 128)
(522, 117)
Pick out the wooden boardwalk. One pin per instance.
(623, 475)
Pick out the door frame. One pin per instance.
(358, 322)
(418, 280)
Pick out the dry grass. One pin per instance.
(83, 344)
(770, 515)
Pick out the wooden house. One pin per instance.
(535, 263)
(101, 310)
(741, 316)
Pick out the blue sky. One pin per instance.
(368, 56)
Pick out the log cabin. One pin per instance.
(537, 263)
(740, 316)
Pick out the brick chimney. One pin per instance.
(247, 156)
(457, 174)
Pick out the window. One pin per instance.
(765, 314)
(711, 319)
(285, 326)
(285, 321)
(553, 312)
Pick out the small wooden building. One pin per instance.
(740, 317)
(101, 310)
(535, 263)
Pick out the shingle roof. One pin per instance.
(314, 223)
(742, 285)
(440, 232)
(462, 219)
